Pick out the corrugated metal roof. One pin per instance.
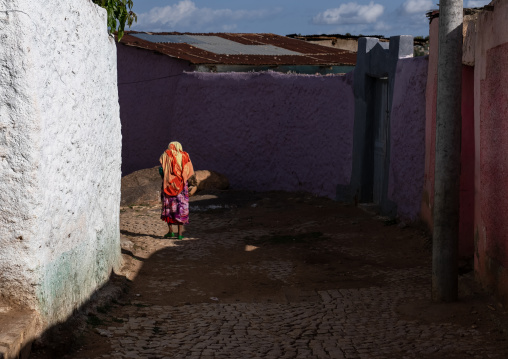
(239, 49)
(217, 45)
(176, 39)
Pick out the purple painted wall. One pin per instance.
(147, 83)
(407, 154)
(268, 131)
(265, 131)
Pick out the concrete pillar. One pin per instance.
(375, 60)
(448, 142)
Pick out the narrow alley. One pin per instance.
(282, 275)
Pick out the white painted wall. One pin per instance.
(60, 154)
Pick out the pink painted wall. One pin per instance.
(427, 209)
(407, 121)
(268, 131)
(484, 181)
(492, 225)
(490, 40)
(466, 230)
(466, 225)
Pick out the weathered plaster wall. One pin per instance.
(492, 251)
(466, 234)
(267, 131)
(19, 151)
(147, 88)
(234, 122)
(60, 155)
(491, 130)
(484, 144)
(407, 118)
(343, 44)
(466, 224)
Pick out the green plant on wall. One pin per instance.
(119, 13)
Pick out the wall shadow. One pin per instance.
(64, 337)
(282, 232)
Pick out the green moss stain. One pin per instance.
(70, 279)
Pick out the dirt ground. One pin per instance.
(304, 244)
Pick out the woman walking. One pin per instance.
(176, 168)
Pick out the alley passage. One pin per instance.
(284, 275)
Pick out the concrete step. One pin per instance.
(17, 331)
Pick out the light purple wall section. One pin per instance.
(407, 162)
(147, 84)
(268, 131)
(264, 131)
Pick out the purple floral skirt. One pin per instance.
(175, 209)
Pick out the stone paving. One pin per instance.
(344, 323)
(335, 322)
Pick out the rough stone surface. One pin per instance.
(17, 330)
(284, 275)
(211, 180)
(141, 187)
(60, 155)
(144, 186)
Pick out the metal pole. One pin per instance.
(448, 142)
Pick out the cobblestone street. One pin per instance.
(281, 275)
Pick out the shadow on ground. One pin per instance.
(253, 256)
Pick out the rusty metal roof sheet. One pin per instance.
(238, 49)
(217, 45)
(176, 39)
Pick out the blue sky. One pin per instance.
(369, 17)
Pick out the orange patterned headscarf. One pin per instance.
(177, 168)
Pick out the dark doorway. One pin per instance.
(381, 129)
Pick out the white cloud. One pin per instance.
(410, 16)
(477, 3)
(417, 6)
(350, 13)
(382, 27)
(186, 16)
(229, 28)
